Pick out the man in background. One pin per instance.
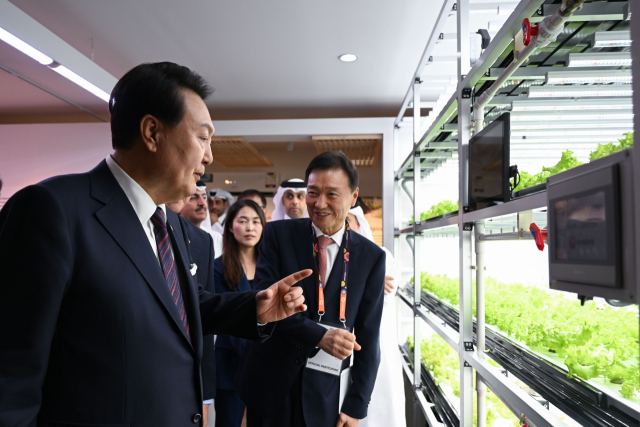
(257, 197)
(219, 203)
(290, 201)
(194, 210)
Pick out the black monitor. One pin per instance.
(489, 165)
(584, 229)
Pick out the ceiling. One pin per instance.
(266, 60)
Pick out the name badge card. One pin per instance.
(323, 361)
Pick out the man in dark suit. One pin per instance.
(279, 379)
(101, 318)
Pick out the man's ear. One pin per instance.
(151, 132)
(355, 197)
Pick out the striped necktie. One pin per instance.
(168, 265)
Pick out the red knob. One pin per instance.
(540, 236)
(528, 31)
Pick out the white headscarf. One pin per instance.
(364, 229)
(222, 194)
(206, 224)
(294, 185)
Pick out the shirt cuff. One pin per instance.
(207, 402)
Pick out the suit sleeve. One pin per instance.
(367, 331)
(208, 363)
(232, 313)
(297, 329)
(234, 343)
(36, 264)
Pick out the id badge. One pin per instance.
(323, 361)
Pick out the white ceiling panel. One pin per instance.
(257, 55)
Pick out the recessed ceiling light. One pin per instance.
(348, 57)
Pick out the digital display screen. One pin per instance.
(581, 228)
(486, 166)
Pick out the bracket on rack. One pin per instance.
(466, 93)
(468, 346)
(467, 226)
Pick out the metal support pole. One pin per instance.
(417, 336)
(481, 388)
(417, 129)
(464, 127)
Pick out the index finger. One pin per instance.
(389, 278)
(294, 278)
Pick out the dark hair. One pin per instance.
(333, 160)
(230, 248)
(151, 89)
(247, 194)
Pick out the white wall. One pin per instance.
(33, 152)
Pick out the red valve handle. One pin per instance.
(528, 31)
(540, 236)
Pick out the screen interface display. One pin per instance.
(486, 167)
(581, 228)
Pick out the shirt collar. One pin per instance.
(142, 203)
(337, 236)
(221, 218)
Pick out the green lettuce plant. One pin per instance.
(441, 208)
(444, 364)
(594, 342)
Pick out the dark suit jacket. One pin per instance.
(269, 369)
(202, 254)
(89, 333)
(229, 349)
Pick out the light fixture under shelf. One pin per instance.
(538, 116)
(588, 77)
(572, 104)
(608, 132)
(606, 124)
(611, 39)
(579, 91)
(599, 59)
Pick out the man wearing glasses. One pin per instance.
(195, 211)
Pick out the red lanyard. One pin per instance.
(343, 283)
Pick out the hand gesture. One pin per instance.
(345, 420)
(388, 285)
(281, 300)
(339, 343)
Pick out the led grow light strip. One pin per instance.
(572, 105)
(573, 125)
(559, 138)
(599, 59)
(612, 133)
(578, 91)
(557, 145)
(611, 39)
(528, 116)
(582, 77)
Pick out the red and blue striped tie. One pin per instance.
(168, 265)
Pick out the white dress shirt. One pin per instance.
(332, 249)
(142, 203)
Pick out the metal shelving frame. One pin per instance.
(519, 401)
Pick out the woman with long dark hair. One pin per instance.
(234, 272)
